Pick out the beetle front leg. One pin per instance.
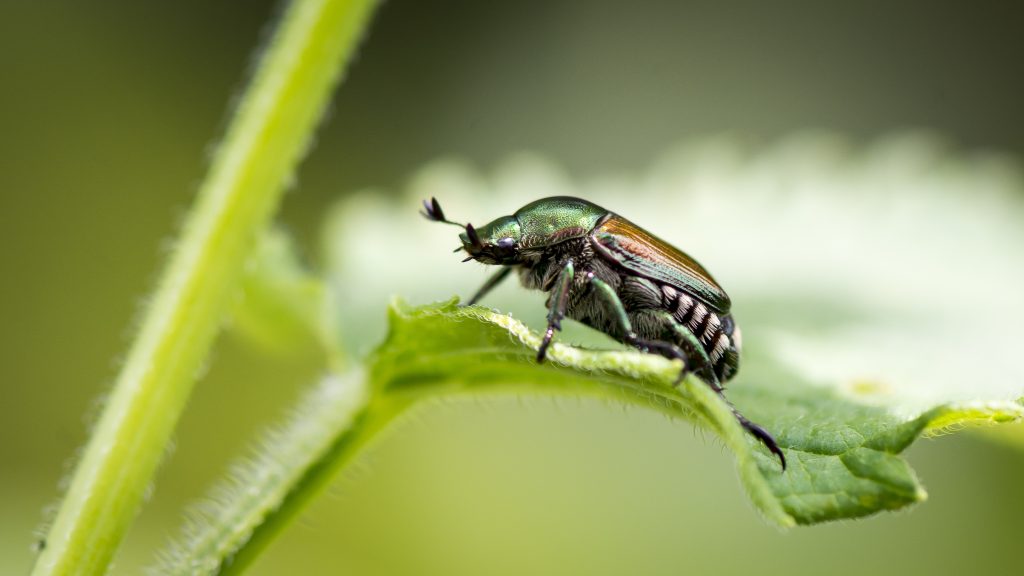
(493, 281)
(615, 308)
(558, 303)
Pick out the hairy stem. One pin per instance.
(268, 135)
(318, 474)
(226, 531)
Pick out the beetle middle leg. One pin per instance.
(558, 303)
(692, 354)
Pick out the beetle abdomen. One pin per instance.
(719, 335)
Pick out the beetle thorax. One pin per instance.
(539, 266)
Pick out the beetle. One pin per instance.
(608, 273)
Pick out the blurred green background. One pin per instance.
(107, 112)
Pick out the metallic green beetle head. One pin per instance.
(511, 239)
(495, 243)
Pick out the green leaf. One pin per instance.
(444, 349)
(844, 457)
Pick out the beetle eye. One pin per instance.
(506, 243)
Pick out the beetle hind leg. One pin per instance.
(706, 373)
(761, 434)
(673, 352)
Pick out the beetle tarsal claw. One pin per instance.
(762, 436)
(679, 378)
(542, 350)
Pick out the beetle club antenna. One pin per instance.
(432, 211)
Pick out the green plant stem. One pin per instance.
(268, 135)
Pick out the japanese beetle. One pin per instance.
(612, 275)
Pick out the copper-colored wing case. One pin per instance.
(623, 243)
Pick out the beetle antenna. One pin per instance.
(432, 211)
